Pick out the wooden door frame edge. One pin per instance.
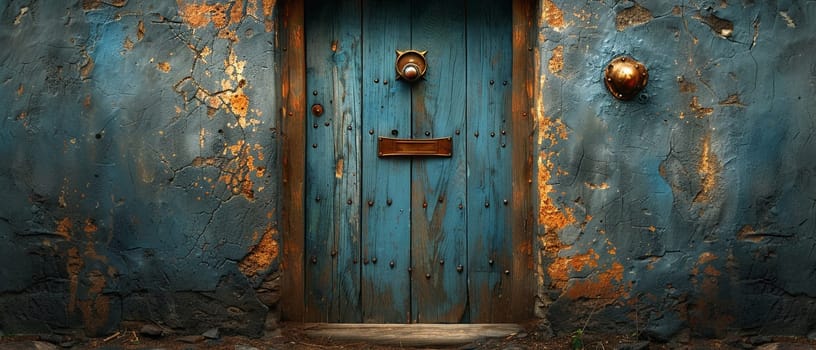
(292, 47)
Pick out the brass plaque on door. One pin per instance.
(390, 147)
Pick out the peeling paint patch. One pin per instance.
(23, 12)
(556, 63)
(632, 16)
(603, 286)
(236, 173)
(722, 27)
(200, 15)
(87, 67)
(262, 255)
(732, 100)
(699, 110)
(95, 4)
(788, 20)
(140, 30)
(163, 66)
(269, 23)
(708, 169)
(552, 15)
(127, 44)
(338, 169)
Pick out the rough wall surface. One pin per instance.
(139, 177)
(141, 166)
(692, 207)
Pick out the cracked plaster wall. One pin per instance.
(690, 210)
(142, 166)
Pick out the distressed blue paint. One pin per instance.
(438, 232)
(386, 291)
(334, 60)
(488, 85)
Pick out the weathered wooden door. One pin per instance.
(408, 239)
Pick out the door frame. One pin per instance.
(292, 130)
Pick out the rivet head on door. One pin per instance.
(317, 109)
(410, 65)
(625, 77)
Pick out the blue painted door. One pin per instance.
(408, 239)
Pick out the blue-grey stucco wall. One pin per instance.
(141, 173)
(140, 165)
(689, 210)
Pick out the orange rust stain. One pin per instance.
(236, 173)
(237, 12)
(705, 258)
(96, 309)
(552, 14)
(73, 266)
(708, 169)
(686, 86)
(652, 228)
(556, 63)
(90, 226)
(64, 227)
(560, 268)
(605, 285)
(20, 90)
(711, 271)
(239, 104)
(87, 102)
(601, 186)
(748, 233)
(269, 23)
(699, 110)
(163, 66)
(262, 255)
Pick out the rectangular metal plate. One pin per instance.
(390, 147)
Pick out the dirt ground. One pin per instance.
(293, 338)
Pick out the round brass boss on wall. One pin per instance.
(410, 65)
(625, 77)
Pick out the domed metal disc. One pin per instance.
(625, 77)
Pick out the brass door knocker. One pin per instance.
(410, 65)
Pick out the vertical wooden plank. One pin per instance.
(439, 185)
(333, 161)
(386, 112)
(293, 98)
(521, 124)
(489, 86)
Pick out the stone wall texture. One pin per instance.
(141, 173)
